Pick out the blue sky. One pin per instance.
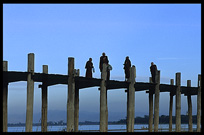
(167, 34)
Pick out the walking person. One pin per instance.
(89, 66)
(153, 70)
(127, 65)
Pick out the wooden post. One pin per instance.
(199, 104)
(76, 107)
(106, 109)
(131, 100)
(103, 101)
(178, 102)
(30, 93)
(156, 102)
(71, 95)
(5, 101)
(44, 101)
(190, 127)
(150, 106)
(171, 107)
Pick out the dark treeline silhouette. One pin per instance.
(163, 119)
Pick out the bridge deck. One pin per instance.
(83, 82)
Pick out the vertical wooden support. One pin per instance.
(150, 106)
(156, 102)
(190, 126)
(178, 102)
(131, 100)
(30, 93)
(76, 107)
(5, 97)
(103, 101)
(171, 106)
(199, 104)
(71, 95)
(44, 101)
(106, 109)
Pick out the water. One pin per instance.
(111, 128)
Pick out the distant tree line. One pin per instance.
(163, 119)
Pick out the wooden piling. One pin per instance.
(171, 107)
(178, 102)
(103, 101)
(30, 93)
(199, 104)
(156, 102)
(44, 101)
(71, 95)
(131, 100)
(150, 106)
(5, 99)
(76, 108)
(190, 126)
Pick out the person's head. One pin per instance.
(90, 59)
(103, 54)
(127, 57)
(152, 63)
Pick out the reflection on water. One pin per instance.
(111, 128)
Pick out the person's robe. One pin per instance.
(153, 70)
(103, 59)
(89, 66)
(127, 65)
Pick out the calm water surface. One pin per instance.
(111, 128)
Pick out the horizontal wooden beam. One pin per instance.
(50, 79)
(112, 84)
(13, 76)
(83, 82)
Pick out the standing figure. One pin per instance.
(89, 66)
(153, 70)
(109, 67)
(127, 65)
(103, 59)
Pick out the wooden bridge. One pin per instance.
(76, 82)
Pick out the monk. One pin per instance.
(153, 70)
(103, 59)
(108, 68)
(89, 66)
(127, 65)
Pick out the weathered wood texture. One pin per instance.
(103, 101)
(131, 101)
(156, 102)
(150, 106)
(5, 99)
(199, 104)
(71, 96)
(44, 101)
(30, 93)
(171, 106)
(190, 122)
(178, 102)
(76, 107)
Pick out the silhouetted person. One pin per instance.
(127, 65)
(89, 66)
(153, 70)
(103, 59)
(109, 68)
